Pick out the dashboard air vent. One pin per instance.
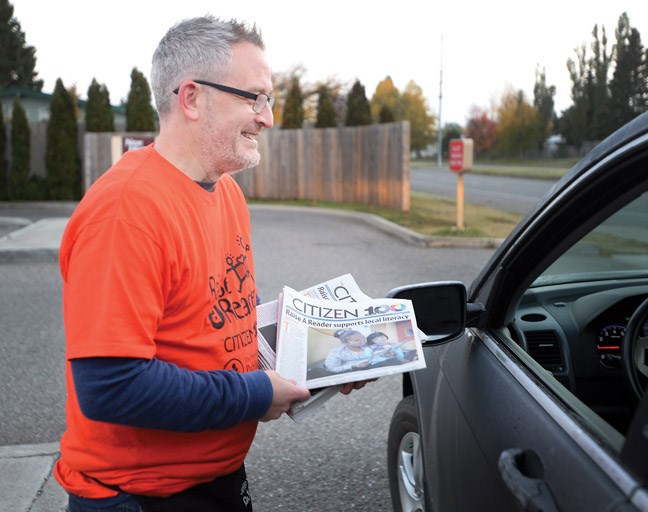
(544, 347)
(534, 317)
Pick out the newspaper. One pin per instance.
(326, 343)
(340, 289)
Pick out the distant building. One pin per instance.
(37, 106)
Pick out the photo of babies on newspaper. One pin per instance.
(335, 351)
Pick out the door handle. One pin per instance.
(523, 473)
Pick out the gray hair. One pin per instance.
(196, 48)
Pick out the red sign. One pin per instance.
(460, 155)
(457, 155)
(135, 142)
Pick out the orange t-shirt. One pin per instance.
(153, 265)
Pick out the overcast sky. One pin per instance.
(479, 48)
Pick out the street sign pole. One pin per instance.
(460, 201)
(461, 160)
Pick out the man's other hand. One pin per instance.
(350, 386)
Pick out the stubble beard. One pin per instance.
(228, 158)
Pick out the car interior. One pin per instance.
(573, 319)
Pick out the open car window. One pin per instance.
(616, 249)
(572, 319)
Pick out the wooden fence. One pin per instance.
(367, 164)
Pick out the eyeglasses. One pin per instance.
(260, 100)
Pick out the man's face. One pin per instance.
(230, 128)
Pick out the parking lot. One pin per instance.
(334, 460)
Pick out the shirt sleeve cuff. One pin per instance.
(260, 393)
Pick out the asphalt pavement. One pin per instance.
(26, 482)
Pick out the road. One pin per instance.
(334, 460)
(517, 195)
(332, 448)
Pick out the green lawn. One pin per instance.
(437, 216)
(433, 216)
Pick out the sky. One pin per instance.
(461, 54)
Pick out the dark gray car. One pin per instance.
(533, 396)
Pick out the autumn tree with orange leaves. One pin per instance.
(482, 130)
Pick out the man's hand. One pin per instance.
(284, 393)
(350, 386)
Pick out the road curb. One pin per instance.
(26, 482)
(14, 221)
(36, 241)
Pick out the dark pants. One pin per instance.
(229, 493)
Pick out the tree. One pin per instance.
(358, 109)
(17, 60)
(588, 116)
(335, 91)
(575, 118)
(450, 131)
(326, 114)
(386, 115)
(629, 83)
(281, 83)
(62, 162)
(4, 165)
(20, 153)
(386, 101)
(99, 115)
(422, 123)
(543, 102)
(482, 130)
(592, 113)
(517, 125)
(293, 112)
(140, 115)
(597, 88)
(600, 104)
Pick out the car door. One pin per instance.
(502, 429)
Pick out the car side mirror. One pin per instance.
(439, 307)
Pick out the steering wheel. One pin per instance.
(635, 350)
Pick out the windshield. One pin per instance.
(615, 249)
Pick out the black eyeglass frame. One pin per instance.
(237, 92)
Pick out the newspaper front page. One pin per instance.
(323, 343)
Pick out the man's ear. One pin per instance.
(188, 95)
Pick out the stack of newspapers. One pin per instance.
(331, 334)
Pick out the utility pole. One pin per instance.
(439, 125)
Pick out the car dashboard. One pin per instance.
(575, 330)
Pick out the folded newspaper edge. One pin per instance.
(312, 346)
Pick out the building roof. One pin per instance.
(23, 92)
(26, 92)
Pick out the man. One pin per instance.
(164, 390)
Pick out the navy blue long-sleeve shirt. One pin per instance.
(160, 395)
